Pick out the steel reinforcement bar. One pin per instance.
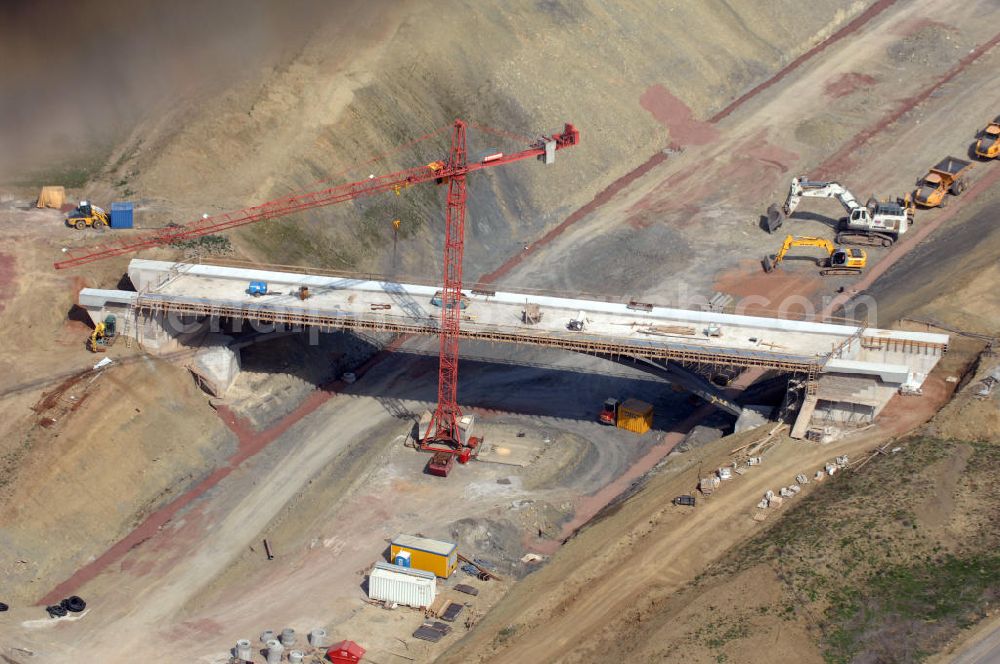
(577, 342)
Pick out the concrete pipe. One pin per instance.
(317, 638)
(288, 637)
(295, 657)
(274, 651)
(244, 651)
(266, 636)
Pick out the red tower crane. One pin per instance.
(443, 428)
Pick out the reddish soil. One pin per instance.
(49, 400)
(250, 442)
(848, 29)
(756, 163)
(771, 155)
(846, 84)
(675, 115)
(841, 161)
(743, 169)
(904, 414)
(761, 293)
(698, 188)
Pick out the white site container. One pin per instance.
(402, 585)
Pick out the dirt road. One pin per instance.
(982, 649)
(327, 494)
(334, 487)
(718, 189)
(721, 188)
(650, 544)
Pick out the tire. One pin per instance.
(99, 225)
(886, 242)
(56, 611)
(944, 201)
(74, 604)
(80, 225)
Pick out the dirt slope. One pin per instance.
(211, 127)
(83, 457)
(378, 76)
(620, 586)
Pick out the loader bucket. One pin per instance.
(775, 217)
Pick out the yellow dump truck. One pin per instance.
(988, 144)
(422, 553)
(945, 177)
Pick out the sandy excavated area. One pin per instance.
(172, 531)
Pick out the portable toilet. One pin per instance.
(402, 559)
(345, 652)
(430, 555)
(121, 215)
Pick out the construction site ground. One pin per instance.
(148, 498)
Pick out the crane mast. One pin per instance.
(444, 423)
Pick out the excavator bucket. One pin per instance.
(775, 217)
(769, 263)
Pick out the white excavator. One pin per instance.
(877, 223)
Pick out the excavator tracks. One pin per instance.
(832, 271)
(859, 238)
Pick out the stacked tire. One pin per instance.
(73, 604)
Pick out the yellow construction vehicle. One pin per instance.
(87, 215)
(838, 260)
(948, 176)
(103, 336)
(988, 145)
(875, 223)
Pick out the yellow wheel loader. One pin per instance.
(87, 216)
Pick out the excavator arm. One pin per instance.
(770, 263)
(803, 188)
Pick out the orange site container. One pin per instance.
(635, 416)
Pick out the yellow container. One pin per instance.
(635, 416)
(430, 555)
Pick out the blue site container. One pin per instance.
(121, 215)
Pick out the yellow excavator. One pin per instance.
(838, 260)
(103, 336)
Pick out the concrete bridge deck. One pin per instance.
(180, 290)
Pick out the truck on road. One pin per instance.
(945, 177)
(988, 144)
